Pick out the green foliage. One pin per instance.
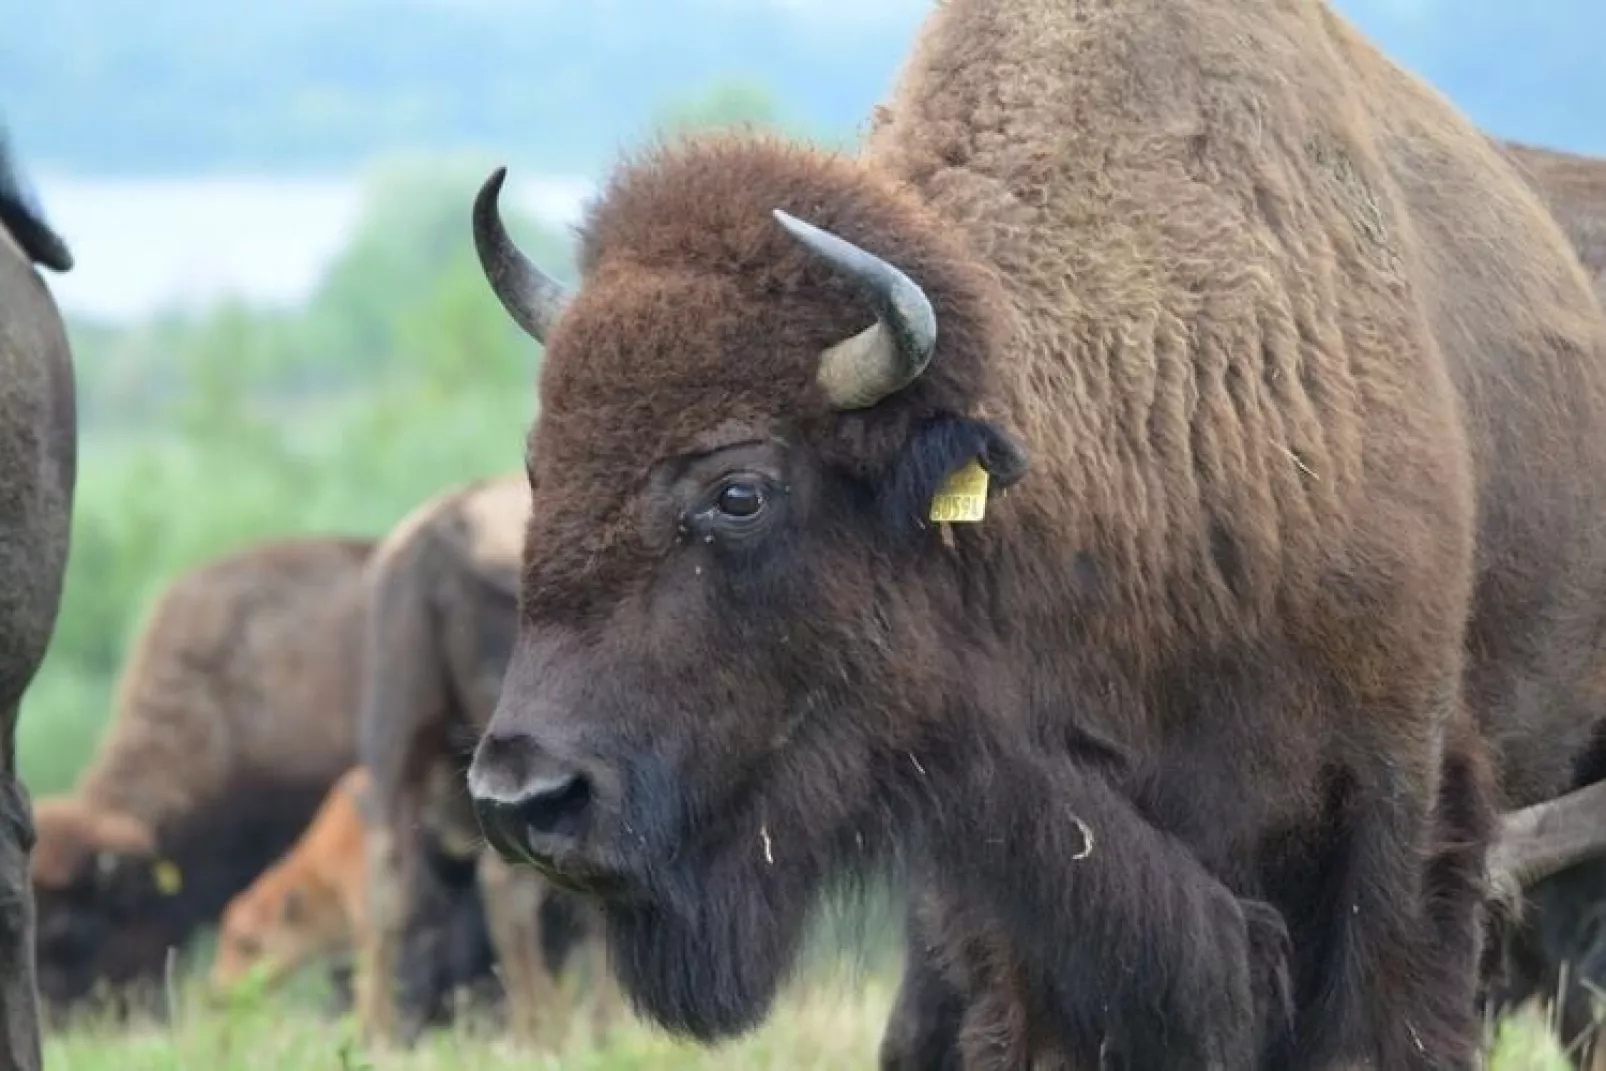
(206, 433)
(417, 228)
(820, 1025)
(401, 377)
(731, 103)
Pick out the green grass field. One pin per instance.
(829, 1024)
(818, 1026)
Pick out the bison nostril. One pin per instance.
(556, 807)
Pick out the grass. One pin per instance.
(817, 1026)
(832, 1022)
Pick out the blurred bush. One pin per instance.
(204, 434)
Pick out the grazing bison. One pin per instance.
(442, 610)
(38, 471)
(313, 904)
(234, 716)
(310, 904)
(1193, 736)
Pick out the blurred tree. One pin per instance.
(414, 232)
(401, 377)
(733, 102)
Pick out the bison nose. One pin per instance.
(529, 803)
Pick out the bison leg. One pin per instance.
(19, 996)
(1393, 951)
(513, 899)
(379, 942)
(1145, 953)
(922, 1033)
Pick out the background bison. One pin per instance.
(309, 904)
(441, 615)
(38, 475)
(1556, 949)
(312, 905)
(1196, 738)
(1573, 187)
(234, 716)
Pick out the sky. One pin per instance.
(1531, 72)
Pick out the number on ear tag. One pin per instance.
(962, 499)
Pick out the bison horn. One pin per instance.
(533, 298)
(1547, 838)
(891, 353)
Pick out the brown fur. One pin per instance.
(443, 598)
(1308, 379)
(38, 474)
(1574, 188)
(233, 717)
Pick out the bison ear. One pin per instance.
(125, 881)
(937, 451)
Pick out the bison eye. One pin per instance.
(736, 509)
(741, 500)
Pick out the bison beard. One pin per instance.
(703, 944)
(720, 895)
(741, 917)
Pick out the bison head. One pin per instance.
(98, 879)
(741, 638)
(287, 917)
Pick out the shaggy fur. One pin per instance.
(38, 474)
(1311, 389)
(234, 716)
(443, 604)
(1574, 188)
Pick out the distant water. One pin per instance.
(147, 245)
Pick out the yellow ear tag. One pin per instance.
(963, 498)
(168, 878)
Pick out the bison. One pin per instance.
(310, 903)
(1195, 735)
(1574, 188)
(234, 716)
(313, 904)
(442, 611)
(39, 463)
(1557, 949)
